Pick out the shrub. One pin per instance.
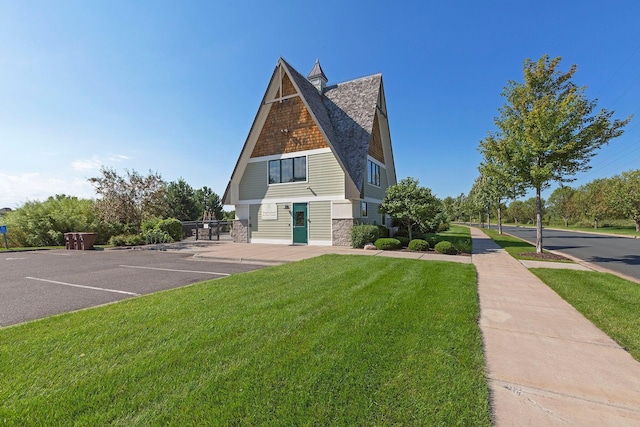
(135, 240)
(172, 227)
(386, 243)
(404, 241)
(150, 224)
(418, 245)
(433, 240)
(383, 231)
(444, 226)
(118, 240)
(464, 246)
(445, 248)
(361, 234)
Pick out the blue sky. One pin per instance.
(173, 87)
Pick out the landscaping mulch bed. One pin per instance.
(545, 256)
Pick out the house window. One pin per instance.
(288, 170)
(373, 174)
(363, 209)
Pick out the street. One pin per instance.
(620, 254)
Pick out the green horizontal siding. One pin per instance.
(325, 178)
(320, 221)
(270, 229)
(377, 192)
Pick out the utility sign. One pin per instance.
(3, 229)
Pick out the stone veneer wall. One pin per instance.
(240, 231)
(342, 231)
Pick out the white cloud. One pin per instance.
(17, 189)
(119, 158)
(85, 165)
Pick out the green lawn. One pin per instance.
(611, 303)
(334, 340)
(517, 248)
(459, 236)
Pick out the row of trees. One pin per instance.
(124, 202)
(615, 198)
(546, 132)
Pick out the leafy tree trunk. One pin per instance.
(566, 222)
(595, 223)
(410, 233)
(499, 219)
(636, 220)
(538, 220)
(489, 219)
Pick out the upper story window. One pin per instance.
(288, 170)
(373, 173)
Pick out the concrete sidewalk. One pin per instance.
(261, 253)
(547, 365)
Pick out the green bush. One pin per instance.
(135, 240)
(404, 241)
(418, 245)
(361, 234)
(127, 240)
(433, 240)
(118, 240)
(444, 226)
(382, 231)
(464, 246)
(386, 243)
(445, 248)
(172, 227)
(150, 224)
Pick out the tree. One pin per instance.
(562, 204)
(131, 198)
(411, 204)
(593, 200)
(530, 209)
(516, 211)
(499, 182)
(208, 201)
(625, 195)
(547, 131)
(181, 201)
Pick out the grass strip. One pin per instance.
(334, 340)
(609, 302)
(516, 247)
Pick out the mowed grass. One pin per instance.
(459, 236)
(514, 246)
(610, 302)
(334, 340)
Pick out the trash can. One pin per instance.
(85, 241)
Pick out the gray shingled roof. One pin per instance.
(345, 112)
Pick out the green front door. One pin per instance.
(300, 223)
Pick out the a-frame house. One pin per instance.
(318, 160)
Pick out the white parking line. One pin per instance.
(84, 287)
(179, 271)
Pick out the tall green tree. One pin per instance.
(625, 195)
(562, 203)
(593, 200)
(547, 130)
(411, 205)
(500, 184)
(208, 201)
(517, 211)
(131, 198)
(181, 201)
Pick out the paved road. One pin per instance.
(619, 254)
(42, 283)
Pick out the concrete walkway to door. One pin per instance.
(547, 365)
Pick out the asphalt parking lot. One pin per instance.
(38, 284)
